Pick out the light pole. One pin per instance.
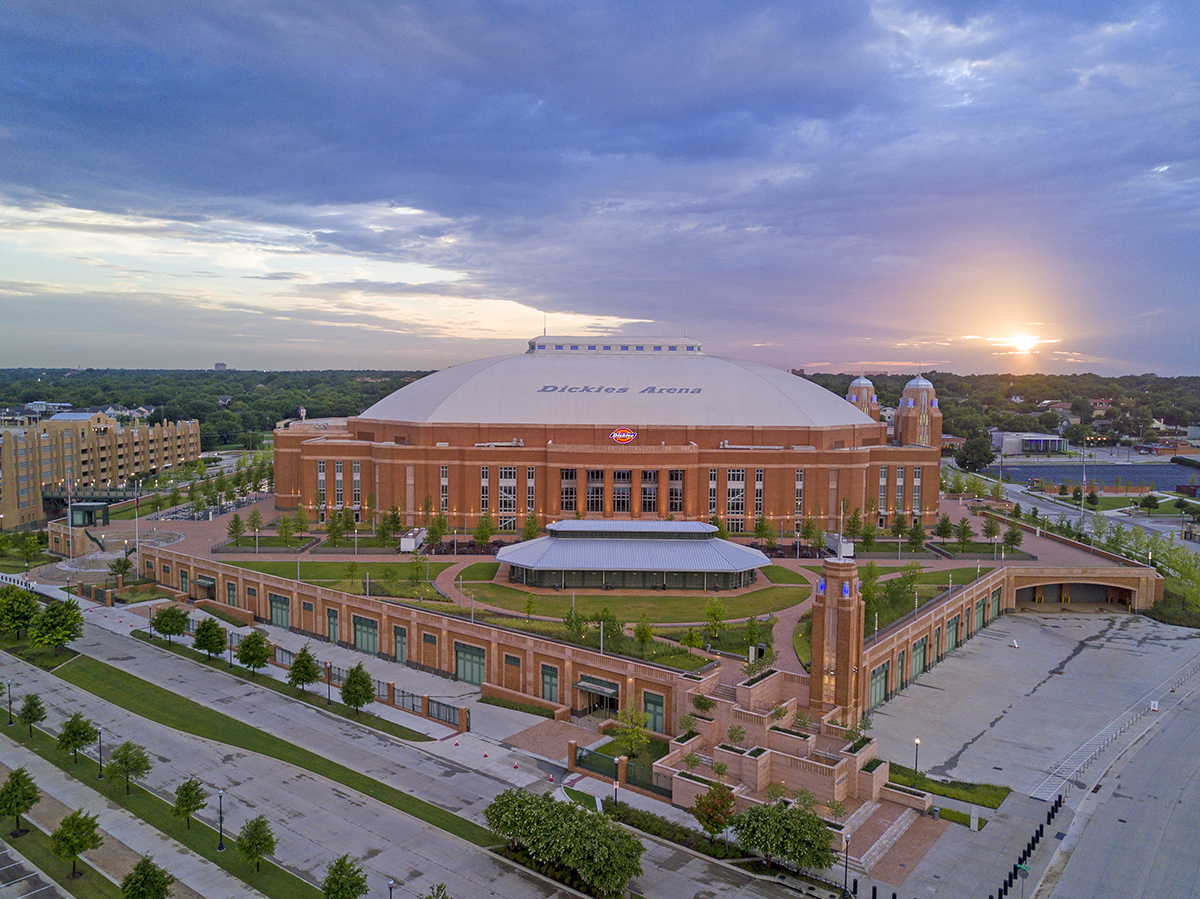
(8, 690)
(231, 655)
(917, 754)
(256, 541)
(391, 883)
(221, 820)
(846, 871)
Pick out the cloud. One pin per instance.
(788, 181)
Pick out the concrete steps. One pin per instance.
(887, 840)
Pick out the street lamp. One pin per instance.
(391, 883)
(8, 690)
(221, 820)
(100, 737)
(846, 871)
(917, 754)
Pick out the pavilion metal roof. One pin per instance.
(631, 554)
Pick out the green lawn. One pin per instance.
(336, 570)
(802, 640)
(661, 609)
(961, 575)
(882, 569)
(35, 848)
(273, 880)
(777, 574)
(46, 659)
(990, 795)
(157, 704)
(13, 563)
(653, 751)
(731, 638)
(480, 571)
(221, 663)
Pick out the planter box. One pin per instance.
(906, 796)
(693, 743)
(871, 783)
(789, 742)
(762, 690)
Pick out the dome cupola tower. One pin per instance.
(918, 418)
(862, 395)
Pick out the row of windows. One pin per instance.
(624, 347)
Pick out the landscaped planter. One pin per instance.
(789, 742)
(871, 783)
(686, 743)
(762, 690)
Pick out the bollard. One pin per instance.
(855, 890)
(874, 892)
(1041, 831)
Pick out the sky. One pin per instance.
(896, 185)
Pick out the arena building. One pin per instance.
(619, 429)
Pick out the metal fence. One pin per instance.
(410, 702)
(444, 712)
(234, 640)
(601, 764)
(648, 779)
(284, 657)
(380, 689)
(338, 674)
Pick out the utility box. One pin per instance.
(412, 539)
(839, 546)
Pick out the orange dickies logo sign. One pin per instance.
(623, 435)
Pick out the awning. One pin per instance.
(203, 580)
(598, 689)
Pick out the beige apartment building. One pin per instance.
(83, 451)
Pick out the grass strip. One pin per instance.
(777, 574)
(218, 663)
(527, 708)
(990, 795)
(157, 704)
(42, 657)
(328, 571)
(802, 640)
(273, 880)
(34, 847)
(587, 800)
(960, 817)
(480, 571)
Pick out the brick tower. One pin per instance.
(837, 641)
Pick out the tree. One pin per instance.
(18, 795)
(793, 833)
(29, 548)
(254, 521)
(898, 528)
(18, 609)
(255, 840)
(736, 734)
(762, 528)
(175, 498)
(438, 528)
(1013, 537)
(285, 528)
(991, 530)
(944, 528)
(714, 619)
(1093, 498)
(691, 639)
(304, 669)
(130, 761)
(416, 568)
(530, 606)
(209, 637)
(532, 528)
(170, 621)
(975, 454)
(643, 632)
(484, 531)
(631, 733)
(811, 532)
(77, 733)
(576, 624)
(438, 891)
(359, 689)
(236, 529)
(146, 880)
(120, 567)
(57, 624)
(189, 799)
(853, 526)
(32, 711)
(344, 880)
(254, 652)
(869, 532)
(964, 533)
(300, 521)
(916, 536)
(716, 522)
(335, 528)
(76, 834)
(868, 585)
(714, 809)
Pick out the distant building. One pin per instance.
(220, 366)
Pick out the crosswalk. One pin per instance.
(19, 879)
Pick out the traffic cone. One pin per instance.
(485, 755)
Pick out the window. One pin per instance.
(650, 491)
(400, 643)
(799, 500)
(652, 704)
(338, 493)
(530, 481)
(183, 581)
(899, 490)
(595, 490)
(879, 677)
(515, 661)
(882, 494)
(758, 491)
(231, 595)
(281, 610)
(366, 634)
(508, 497)
(306, 606)
(735, 492)
(549, 683)
(331, 625)
(357, 481)
(469, 663)
(622, 484)
(675, 490)
(916, 506)
(712, 491)
(567, 489)
(483, 490)
(431, 639)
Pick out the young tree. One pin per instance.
(32, 711)
(254, 652)
(300, 521)
(532, 528)
(793, 833)
(736, 734)
(852, 527)
(254, 521)
(870, 532)
(189, 799)
(714, 619)
(175, 498)
(209, 637)
(916, 536)
(484, 530)
(530, 606)
(643, 633)
(991, 530)
(577, 624)
(130, 761)
(77, 733)
(344, 880)
(631, 732)
(170, 621)
(29, 549)
(146, 880)
(898, 528)
(18, 795)
(255, 840)
(438, 891)
(716, 522)
(944, 528)
(714, 809)
(19, 609)
(752, 628)
(964, 533)
(416, 569)
(57, 624)
(335, 528)
(285, 528)
(236, 529)
(77, 833)
(304, 669)
(762, 528)
(120, 567)
(359, 689)
(691, 639)
(868, 585)
(1013, 537)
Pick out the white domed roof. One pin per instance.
(861, 381)
(918, 383)
(652, 381)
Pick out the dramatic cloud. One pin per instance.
(972, 186)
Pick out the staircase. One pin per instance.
(888, 839)
(724, 691)
(93, 538)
